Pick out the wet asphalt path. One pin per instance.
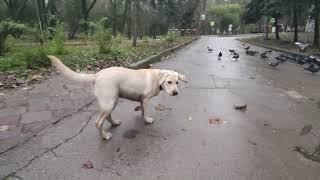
(196, 135)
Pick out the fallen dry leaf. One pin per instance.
(216, 121)
(27, 88)
(87, 165)
(160, 107)
(4, 128)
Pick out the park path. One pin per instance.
(196, 135)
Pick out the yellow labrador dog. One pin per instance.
(112, 83)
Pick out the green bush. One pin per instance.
(171, 37)
(103, 38)
(56, 45)
(24, 59)
(118, 39)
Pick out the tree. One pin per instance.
(84, 17)
(136, 8)
(9, 28)
(316, 17)
(15, 8)
(225, 14)
(257, 9)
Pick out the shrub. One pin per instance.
(103, 38)
(56, 45)
(23, 59)
(171, 37)
(7, 28)
(118, 39)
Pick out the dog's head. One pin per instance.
(169, 80)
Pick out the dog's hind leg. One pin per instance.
(99, 124)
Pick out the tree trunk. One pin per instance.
(295, 24)
(85, 16)
(316, 40)
(136, 20)
(125, 15)
(267, 30)
(277, 28)
(114, 18)
(3, 38)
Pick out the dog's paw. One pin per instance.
(148, 120)
(115, 123)
(106, 135)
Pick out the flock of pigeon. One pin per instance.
(312, 63)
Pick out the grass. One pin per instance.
(25, 58)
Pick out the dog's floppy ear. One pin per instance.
(182, 78)
(162, 75)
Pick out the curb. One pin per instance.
(145, 63)
(272, 47)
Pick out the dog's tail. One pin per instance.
(69, 73)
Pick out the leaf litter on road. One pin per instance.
(160, 107)
(216, 121)
(4, 128)
(87, 165)
(306, 130)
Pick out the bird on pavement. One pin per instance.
(247, 48)
(281, 59)
(232, 51)
(312, 68)
(274, 64)
(251, 53)
(209, 49)
(236, 56)
(302, 47)
(219, 55)
(264, 55)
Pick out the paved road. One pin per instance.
(184, 143)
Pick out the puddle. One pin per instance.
(130, 134)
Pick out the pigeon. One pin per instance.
(251, 53)
(274, 64)
(281, 59)
(209, 49)
(247, 48)
(236, 56)
(312, 68)
(219, 55)
(232, 51)
(302, 47)
(264, 55)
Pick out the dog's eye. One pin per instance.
(169, 82)
(177, 83)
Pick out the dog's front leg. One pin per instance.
(143, 105)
